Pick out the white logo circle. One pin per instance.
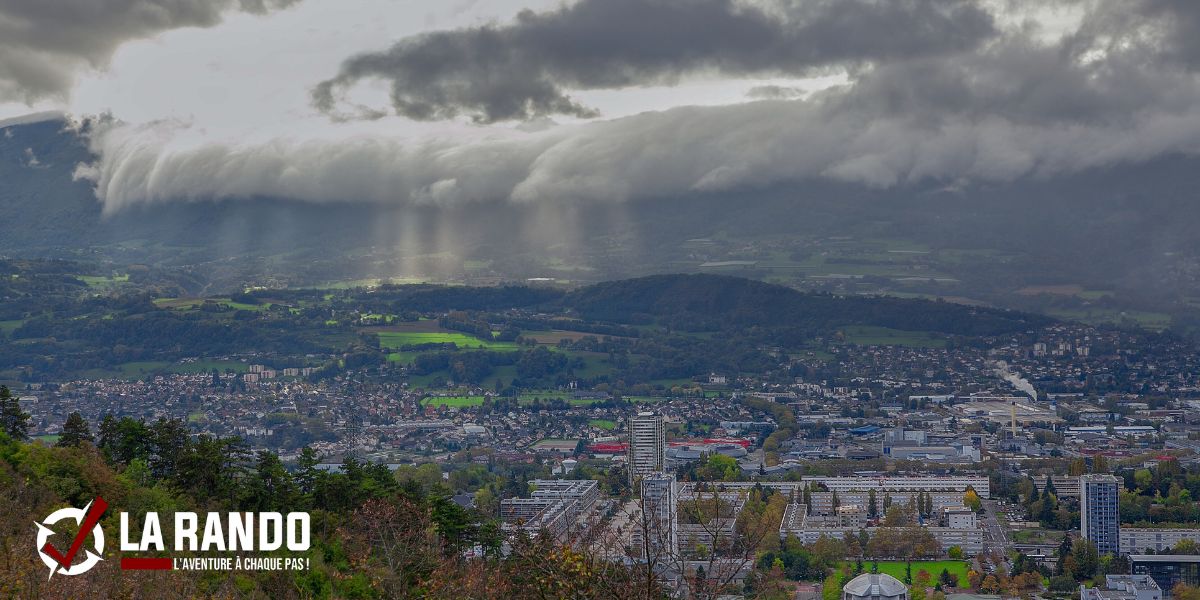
(44, 533)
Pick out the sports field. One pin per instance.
(453, 401)
(895, 568)
(397, 339)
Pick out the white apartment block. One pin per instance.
(1138, 540)
(647, 445)
(895, 485)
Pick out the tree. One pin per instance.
(1064, 552)
(719, 467)
(272, 488)
(955, 552)
(1063, 583)
(898, 516)
(1077, 467)
(13, 420)
(990, 585)
(307, 472)
(1183, 591)
(1086, 559)
(974, 579)
(948, 579)
(828, 551)
(74, 432)
(872, 504)
(971, 500)
(1049, 489)
(1046, 508)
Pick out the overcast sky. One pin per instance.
(419, 101)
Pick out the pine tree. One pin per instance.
(74, 432)
(872, 504)
(13, 420)
(1049, 487)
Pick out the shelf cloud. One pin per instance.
(935, 91)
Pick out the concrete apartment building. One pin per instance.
(1139, 540)
(1123, 587)
(657, 533)
(647, 445)
(896, 485)
(1099, 521)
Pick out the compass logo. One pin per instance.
(88, 520)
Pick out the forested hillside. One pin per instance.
(375, 534)
(710, 302)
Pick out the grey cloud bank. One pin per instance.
(44, 44)
(965, 103)
(526, 69)
(675, 152)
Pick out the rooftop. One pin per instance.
(875, 584)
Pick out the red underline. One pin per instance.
(146, 564)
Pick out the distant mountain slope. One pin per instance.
(41, 206)
(713, 302)
(1126, 230)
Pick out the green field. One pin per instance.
(605, 424)
(404, 358)
(882, 336)
(191, 303)
(178, 303)
(350, 284)
(98, 281)
(895, 568)
(396, 339)
(645, 399)
(1110, 316)
(143, 369)
(526, 398)
(453, 401)
(140, 369)
(595, 364)
(206, 366)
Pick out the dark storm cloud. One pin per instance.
(1118, 85)
(45, 43)
(1164, 31)
(1023, 81)
(527, 69)
(774, 92)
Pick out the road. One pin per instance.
(995, 537)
